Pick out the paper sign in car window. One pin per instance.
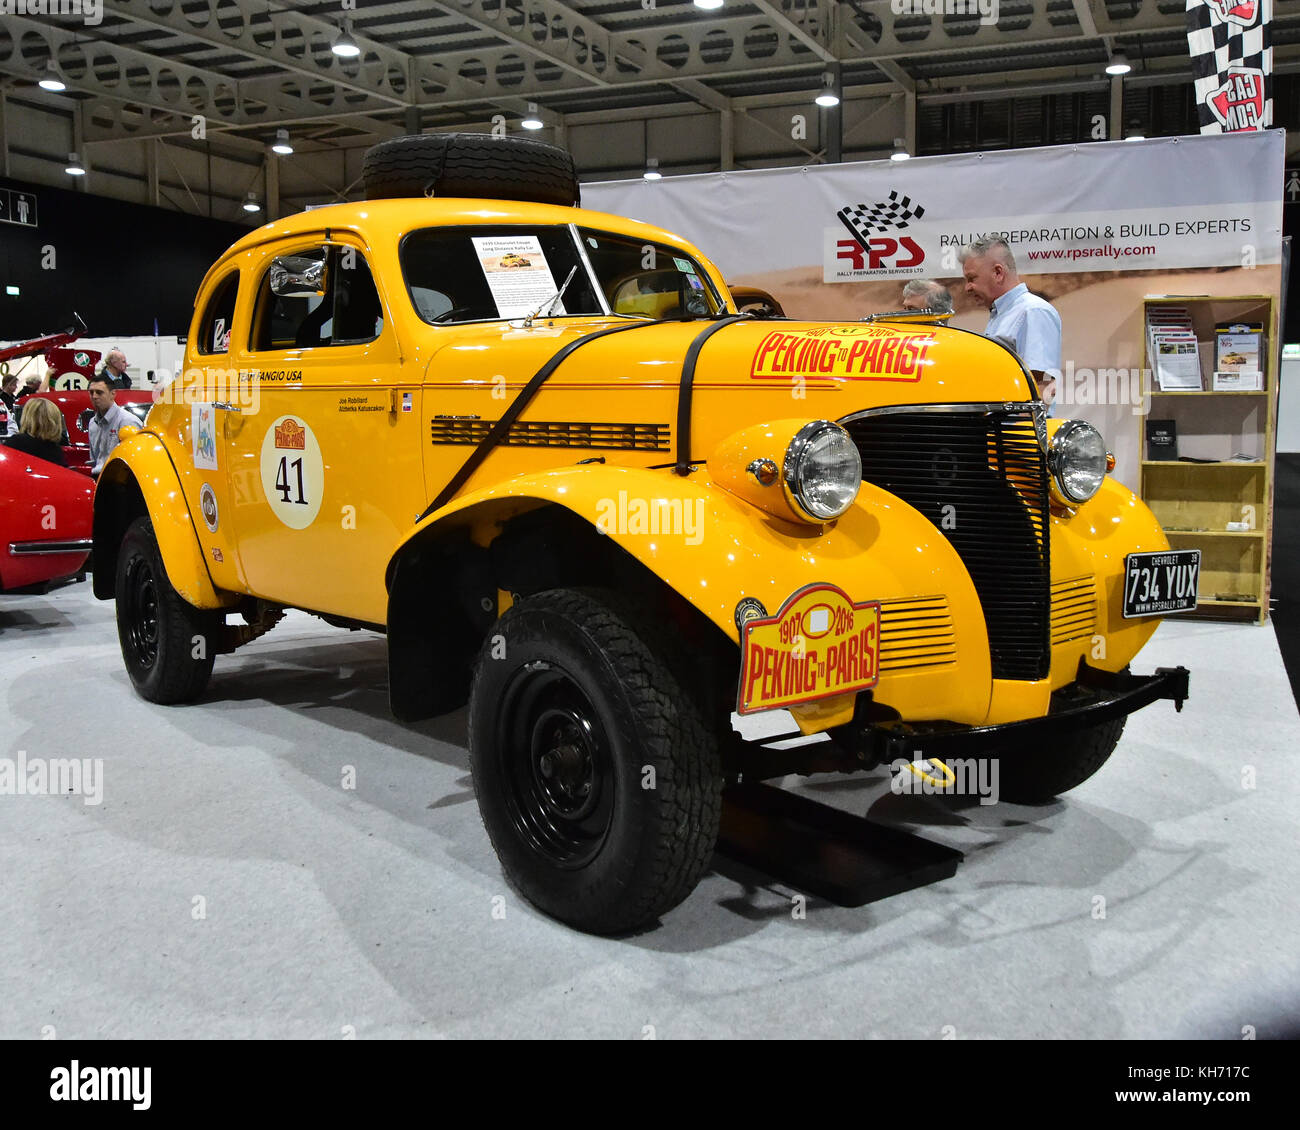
(517, 274)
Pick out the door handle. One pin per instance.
(228, 407)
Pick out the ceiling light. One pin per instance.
(281, 143)
(900, 152)
(827, 97)
(75, 167)
(250, 202)
(345, 47)
(531, 120)
(652, 169)
(1118, 64)
(708, 5)
(50, 80)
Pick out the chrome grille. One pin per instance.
(979, 474)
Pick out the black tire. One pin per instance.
(472, 165)
(158, 629)
(577, 704)
(1034, 775)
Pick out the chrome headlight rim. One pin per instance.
(1055, 456)
(792, 471)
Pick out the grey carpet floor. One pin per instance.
(228, 885)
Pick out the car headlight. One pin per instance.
(822, 471)
(1077, 459)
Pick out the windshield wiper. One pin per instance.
(549, 304)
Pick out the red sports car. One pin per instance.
(45, 520)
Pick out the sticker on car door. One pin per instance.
(293, 472)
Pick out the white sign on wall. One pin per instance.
(1161, 204)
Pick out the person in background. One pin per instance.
(1029, 324)
(8, 401)
(41, 433)
(108, 420)
(114, 370)
(32, 383)
(926, 294)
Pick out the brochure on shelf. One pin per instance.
(1238, 356)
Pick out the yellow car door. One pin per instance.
(333, 422)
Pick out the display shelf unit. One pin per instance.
(1196, 501)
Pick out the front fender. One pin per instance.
(1092, 540)
(139, 477)
(715, 549)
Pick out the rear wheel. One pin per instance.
(1033, 775)
(597, 774)
(168, 645)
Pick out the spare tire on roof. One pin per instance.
(470, 164)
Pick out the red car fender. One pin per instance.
(46, 515)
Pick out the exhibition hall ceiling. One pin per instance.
(177, 102)
(249, 66)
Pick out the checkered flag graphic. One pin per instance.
(885, 215)
(1232, 61)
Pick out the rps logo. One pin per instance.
(871, 249)
(881, 252)
(1240, 12)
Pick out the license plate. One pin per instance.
(1157, 583)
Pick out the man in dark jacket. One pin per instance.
(114, 370)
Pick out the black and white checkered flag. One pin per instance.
(884, 215)
(1232, 61)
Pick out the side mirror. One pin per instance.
(298, 276)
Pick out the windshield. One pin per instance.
(467, 274)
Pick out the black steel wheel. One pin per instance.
(168, 645)
(556, 760)
(597, 772)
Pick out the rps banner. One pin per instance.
(1162, 204)
(1232, 59)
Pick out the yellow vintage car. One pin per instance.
(612, 514)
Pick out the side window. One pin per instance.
(348, 312)
(214, 328)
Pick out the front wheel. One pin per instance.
(167, 643)
(598, 776)
(1031, 775)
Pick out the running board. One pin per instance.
(845, 859)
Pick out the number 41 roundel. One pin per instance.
(293, 473)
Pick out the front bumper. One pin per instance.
(1095, 697)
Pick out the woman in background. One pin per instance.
(40, 432)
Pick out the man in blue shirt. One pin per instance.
(1024, 321)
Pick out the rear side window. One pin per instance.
(347, 313)
(214, 328)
